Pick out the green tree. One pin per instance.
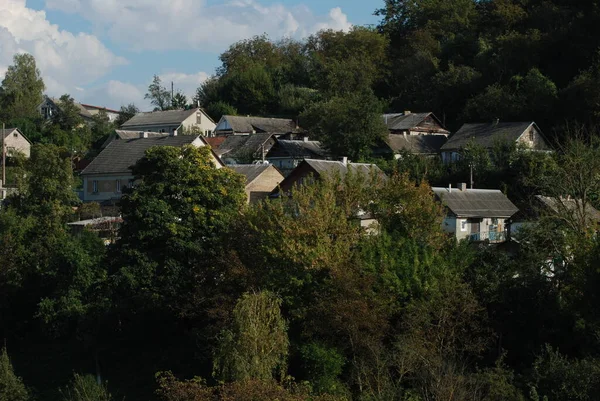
(218, 109)
(22, 88)
(101, 128)
(85, 388)
(256, 346)
(11, 386)
(158, 95)
(126, 113)
(179, 101)
(347, 126)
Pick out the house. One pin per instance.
(309, 170)
(194, 121)
(50, 106)
(239, 125)
(106, 176)
(15, 141)
(489, 135)
(475, 214)
(286, 154)
(242, 149)
(261, 180)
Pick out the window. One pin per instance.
(130, 184)
(16, 135)
(95, 186)
(531, 136)
(118, 185)
(463, 225)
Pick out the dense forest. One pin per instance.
(205, 298)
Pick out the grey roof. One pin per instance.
(239, 146)
(570, 205)
(406, 121)
(261, 124)
(487, 134)
(423, 144)
(124, 134)
(332, 167)
(120, 155)
(298, 149)
(83, 112)
(9, 131)
(476, 202)
(158, 118)
(250, 171)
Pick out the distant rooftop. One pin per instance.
(158, 118)
(250, 124)
(476, 203)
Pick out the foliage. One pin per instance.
(126, 113)
(11, 386)
(179, 101)
(158, 95)
(22, 89)
(324, 366)
(256, 346)
(85, 388)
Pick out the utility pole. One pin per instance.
(471, 166)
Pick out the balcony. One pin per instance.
(490, 236)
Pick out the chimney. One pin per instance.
(143, 134)
(462, 186)
(407, 112)
(305, 139)
(345, 160)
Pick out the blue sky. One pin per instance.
(105, 52)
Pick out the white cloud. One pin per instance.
(66, 60)
(193, 25)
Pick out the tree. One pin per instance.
(159, 96)
(179, 101)
(22, 88)
(174, 220)
(256, 346)
(126, 113)
(101, 128)
(11, 386)
(347, 126)
(85, 388)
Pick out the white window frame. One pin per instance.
(463, 225)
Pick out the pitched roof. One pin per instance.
(6, 132)
(158, 118)
(332, 167)
(570, 205)
(476, 202)
(261, 124)
(297, 149)
(120, 155)
(216, 141)
(487, 134)
(90, 106)
(83, 112)
(423, 144)
(406, 121)
(124, 134)
(235, 146)
(250, 171)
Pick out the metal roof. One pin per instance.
(476, 202)
(261, 124)
(487, 134)
(120, 155)
(159, 118)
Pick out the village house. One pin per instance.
(15, 141)
(106, 176)
(287, 154)
(123, 134)
(417, 133)
(50, 106)
(261, 180)
(475, 214)
(310, 170)
(240, 125)
(193, 121)
(242, 149)
(488, 135)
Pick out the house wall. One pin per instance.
(168, 128)
(263, 185)
(17, 142)
(201, 121)
(107, 186)
(454, 225)
(533, 139)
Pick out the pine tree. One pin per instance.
(11, 386)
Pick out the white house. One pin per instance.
(15, 141)
(194, 121)
(475, 214)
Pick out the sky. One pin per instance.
(105, 52)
